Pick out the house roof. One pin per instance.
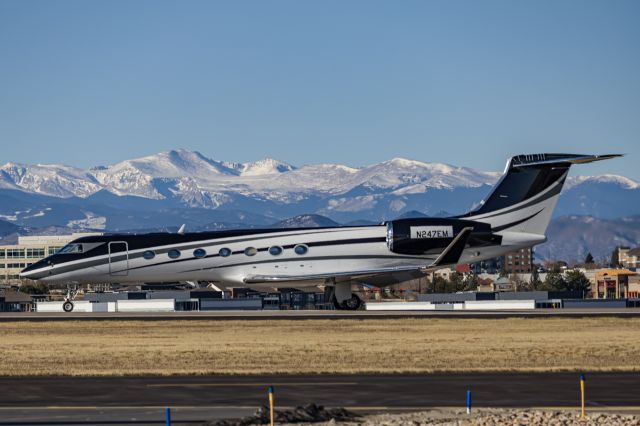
(12, 296)
(485, 281)
(634, 252)
(613, 273)
(463, 268)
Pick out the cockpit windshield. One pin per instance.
(71, 248)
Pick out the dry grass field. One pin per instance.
(317, 346)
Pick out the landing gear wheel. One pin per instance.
(67, 306)
(351, 304)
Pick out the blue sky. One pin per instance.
(355, 82)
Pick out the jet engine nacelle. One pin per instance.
(430, 235)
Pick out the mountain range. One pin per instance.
(182, 186)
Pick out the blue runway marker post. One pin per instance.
(582, 383)
(167, 415)
(271, 403)
(468, 402)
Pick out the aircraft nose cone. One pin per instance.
(35, 271)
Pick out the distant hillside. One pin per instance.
(7, 228)
(572, 237)
(305, 221)
(607, 197)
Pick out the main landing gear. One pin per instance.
(351, 304)
(342, 297)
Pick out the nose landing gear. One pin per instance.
(67, 305)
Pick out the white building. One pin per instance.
(14, 258)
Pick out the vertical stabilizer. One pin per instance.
(524, 198)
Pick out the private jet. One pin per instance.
(515, 215)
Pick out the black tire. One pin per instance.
(67, 306)
(352, 304)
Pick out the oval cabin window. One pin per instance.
(301, 249)
(275, 250)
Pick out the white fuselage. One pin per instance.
(330, 251)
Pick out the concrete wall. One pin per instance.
(523, 295)
(446, 297)
(408, 306)
(78, 306)
(151, 295)
(497, 305)
(169, 294)
(230, 304)
(473, 305)
(156, 305)
(105, 297)
(505, 295)
(588, 303)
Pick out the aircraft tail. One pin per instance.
(524, 198)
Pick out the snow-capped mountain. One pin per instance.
(619, 181)
(182, 183)
(50, 179)
(305, 221)
(606, 196)
(268, 166)
(162, 191)
(182, 171)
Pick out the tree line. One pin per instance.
(554, 281)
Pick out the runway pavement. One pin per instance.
(319, 314)
(141, 400)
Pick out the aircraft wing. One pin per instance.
(260, 279)
(449, 256)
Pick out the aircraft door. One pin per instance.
(118, 258)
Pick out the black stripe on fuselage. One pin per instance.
(206, 238)
(99, 262)
(263, 249)
(144, 241)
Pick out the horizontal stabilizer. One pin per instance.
(539, 159)
(452, 253)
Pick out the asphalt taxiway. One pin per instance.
(316, 314)
(141, 400)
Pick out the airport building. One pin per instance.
(626, 257)
(514, 262)
(15, 301)
(518, 261)
(14, 258)
(615, 284)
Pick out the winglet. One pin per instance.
(182, 229)
(452, 253)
